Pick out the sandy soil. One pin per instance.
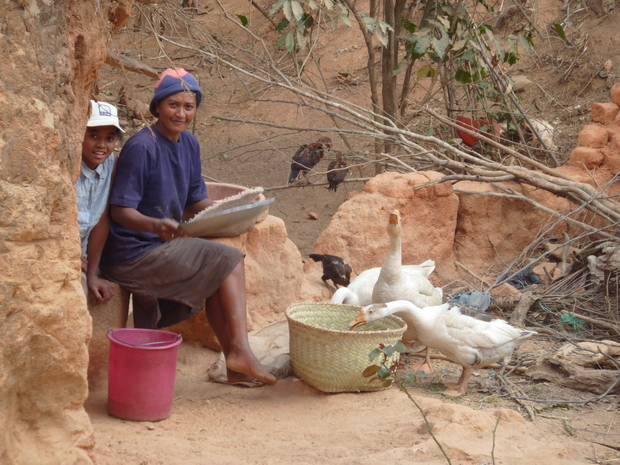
(291, 422)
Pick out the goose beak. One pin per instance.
(359, 321)
(394, 217)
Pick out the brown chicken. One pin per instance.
(334, 268)
(307, 156)
(336, 171)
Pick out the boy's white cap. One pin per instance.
(103, 114)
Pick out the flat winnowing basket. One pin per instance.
(329, 356)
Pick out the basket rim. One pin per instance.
(350, 332)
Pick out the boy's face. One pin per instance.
(176, 112)
(98, 144)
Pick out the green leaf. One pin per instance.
(373, 355)
(281, 42)
(468, 56)
(500, 50)
(276, 7)
(490, 36)
(445, 22)
(282, 25)
(385, 27)
(459, 45)
(334, 23)
(463, 76)
(426, 71)
(382, 37)
(371, 23)
(329, 4)
(313, 5)
(370, 371)
(408, 26)
(422, 45)
(413, 376)
(223, 157)
(297, 9)
(287, 10)
(383, 373)
(524, 42)
(563, 406)
(301, 40)
(346, 20)
(400, 67)
(388, 351)
(243, 19)
(511, 58)
(400, 347)
(290, 42)
(441, 44)
(307, 21)
(560, 30)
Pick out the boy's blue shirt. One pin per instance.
(92, 189)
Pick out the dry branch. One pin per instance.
(527, 299)
(565, 374)
(124, 62)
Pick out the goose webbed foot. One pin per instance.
(458, 389)
(425, 366)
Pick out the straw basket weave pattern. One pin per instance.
(329, 356)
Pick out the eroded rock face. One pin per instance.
(358, 234)
(493, 229)
(475, 230)
(52, 52)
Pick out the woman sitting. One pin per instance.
(170, 275)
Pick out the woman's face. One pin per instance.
(176, 112)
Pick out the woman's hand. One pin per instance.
(168, 229)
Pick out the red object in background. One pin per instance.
(473, 125)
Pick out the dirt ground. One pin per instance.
(291, 422)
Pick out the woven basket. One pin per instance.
(329, 356)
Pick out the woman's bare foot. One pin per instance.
(247, 369)
(453, 393)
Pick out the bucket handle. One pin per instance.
(177, 337)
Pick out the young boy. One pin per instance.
(93, 188)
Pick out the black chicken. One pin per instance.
(307, 156)
(334, 268)
(336, 171)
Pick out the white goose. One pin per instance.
(464, 339)
(359, 291)
(394, 283)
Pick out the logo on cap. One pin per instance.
(105, 110)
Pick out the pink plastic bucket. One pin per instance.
(141, 373)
